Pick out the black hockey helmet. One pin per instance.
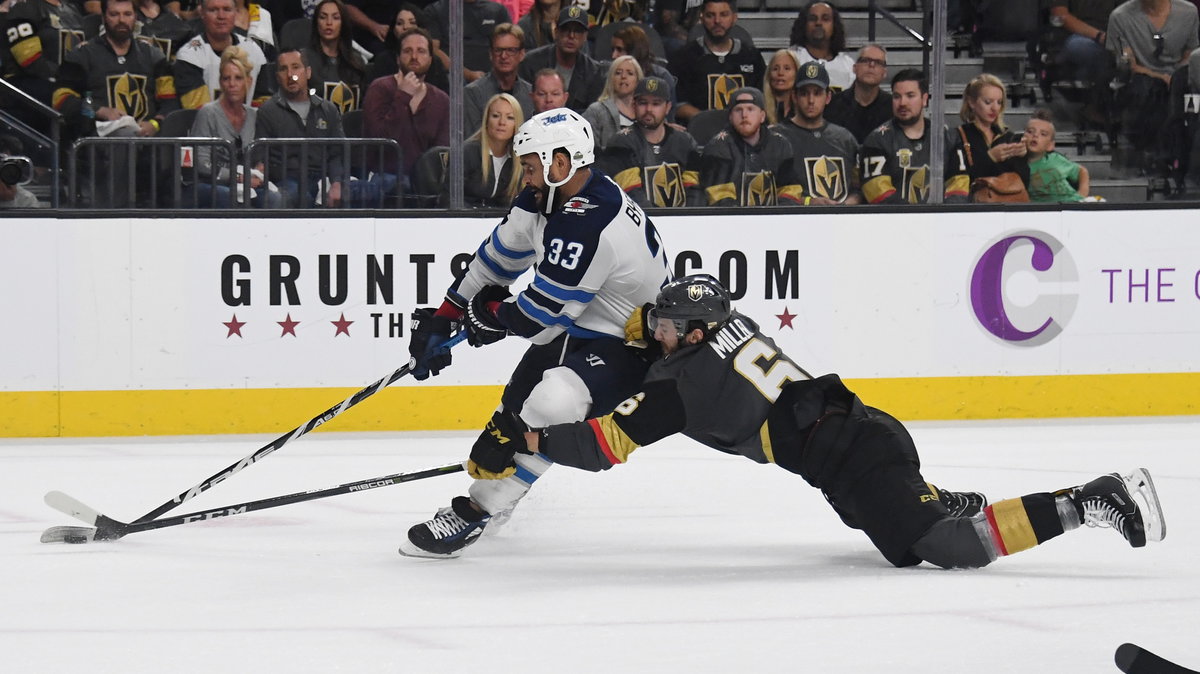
(691, 302)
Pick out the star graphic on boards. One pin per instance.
(288, 325)
(342, 325)
(235, 327)
(785, 319)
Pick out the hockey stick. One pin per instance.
(1133, 659)
(234, 468)
(105, 528)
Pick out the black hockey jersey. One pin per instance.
(339, 83)
(706, 80)
(826, 159)
(733, 173)
(895, 168)
(167, 32)
(38, 36)
(138, 83)
(663, 174)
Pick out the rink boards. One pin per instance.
(170, 326)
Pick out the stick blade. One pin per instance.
(73, 535)
(69, 505)
(1133, 659)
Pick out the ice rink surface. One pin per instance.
(684, 560)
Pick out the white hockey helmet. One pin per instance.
(548, 131)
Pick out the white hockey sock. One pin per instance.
(497, 496)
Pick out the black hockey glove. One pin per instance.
(427, 343)
(492, 454)
(483, 326)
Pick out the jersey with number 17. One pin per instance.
(595, 258)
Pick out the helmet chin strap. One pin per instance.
(548, 207)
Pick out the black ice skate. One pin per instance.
(1127, 503)
(450, 530)
(962, 503)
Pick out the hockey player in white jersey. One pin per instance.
(596, 256)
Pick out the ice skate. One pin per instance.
(451, 529)
(962, 503)
(1128, 504)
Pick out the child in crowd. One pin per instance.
(1052, 177)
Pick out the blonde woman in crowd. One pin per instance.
(492, 178)
(781, 79)
(613, 111)
(989, 148)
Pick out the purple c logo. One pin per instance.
(997, 292)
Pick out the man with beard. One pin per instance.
(198, 63)
(595, 258)
(864, 106)
(582, 75)
(653, 162)
(711, 67)
(403, 107)
(894, 159)
(818, 34)
(126, 77)
(825, 153)
(748, 164)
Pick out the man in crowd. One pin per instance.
(748, 164)
(819, 35)
(864, 106)
(507, 52)
(198, 63)
(37, 35)
(480, 18)
(548, 92)
(894, 159)
(710, 68)
(653, 162)
(582, 75)
(825, 153)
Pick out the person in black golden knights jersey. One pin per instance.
(723, 383)
(748, 164)
(38, 34)
(652, 161)
(894, 159)
(826, 153)
(713, 66)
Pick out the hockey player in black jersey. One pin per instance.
(723, 383)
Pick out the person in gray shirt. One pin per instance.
(507, 52)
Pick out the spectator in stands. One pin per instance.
(614, 109)
(549, 92)
(1083, 52)
(254, 21)
(37, 34)
(864, 106)
(232, 118)
(710, 68)
(338, 72)
(818, 34)
(616, 11)
(1151, 39)
(294, 113)
(1052, 177)
(480, 18)
(632, 40)
(370, 21)
(894, 159)
(652, 161)
(748, 164)
(15, 196)
(125, 77)
(387, 60)
(403, 107)
(162, 26)
(197, 63)
(781, 80)
(582, 75)
(825, 153)
(989, 147)
(492, 177)
(539, 23)
(508, 50)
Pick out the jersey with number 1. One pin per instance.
(595, 259)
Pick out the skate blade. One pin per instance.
(1141, 488)
(407, 549)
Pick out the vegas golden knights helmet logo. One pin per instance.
(127, 93)
(758, 189)
(344, 96)
(826, 177)
(664, 185)
(67, 39)
(720, 87)
(810, 71)
(916, 185)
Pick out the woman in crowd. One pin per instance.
(538, 24)
(781, 79)
(989, 148)
(492, 177)
(229, 117)
(384, 64)
(338, 72)
(613, 111)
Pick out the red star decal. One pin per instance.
(288, 325)
(235, 327)
(785, 319)
(343, 326)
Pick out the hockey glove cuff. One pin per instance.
(427, 343)
(492, 454)
(639, 335)
(483, 326)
